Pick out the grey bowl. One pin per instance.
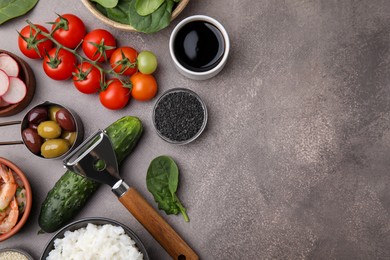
(97, 221)
(15, 250)
(205, 115)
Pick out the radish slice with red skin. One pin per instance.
(3, 103)
(16, 92)
(4, 82)
(9, 65)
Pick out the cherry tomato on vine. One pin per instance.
(144, 86)
(28, 42)
(147, 62)
(123, 60)
(115, 96)
(86, 78)
(69, 30)
(59, 64)
(98, 45)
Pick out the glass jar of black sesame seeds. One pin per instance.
(179, 116)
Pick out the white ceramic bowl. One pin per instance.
(193, 74)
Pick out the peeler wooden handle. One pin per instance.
(156, 225)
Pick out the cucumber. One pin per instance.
(71, 192)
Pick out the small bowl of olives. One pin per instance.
(50, 130)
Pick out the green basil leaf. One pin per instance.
(162, 180)
(146, 7)
(10, 9)
(107, 3)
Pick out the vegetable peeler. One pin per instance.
(95, 159)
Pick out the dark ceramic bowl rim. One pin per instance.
(78, 122)
(20, 251)
(97, 221)
(204, 113)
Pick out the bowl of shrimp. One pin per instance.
(15, 199)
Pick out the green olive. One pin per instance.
(69, 136)
(54, 148)
(49, 129)
(53, 111)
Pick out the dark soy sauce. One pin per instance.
(199, 46)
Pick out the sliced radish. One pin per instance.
(9, 65)
(3, 103)
(16, 92)
(4, 82)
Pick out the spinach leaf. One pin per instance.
(107, 3)
(101, 9)
(119, 13)
(153, 22)
(146, 7)
(162, 180)
(10, 9)
(126, 13)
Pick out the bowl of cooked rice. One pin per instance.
(95, 238)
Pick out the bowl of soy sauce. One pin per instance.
(199, 46)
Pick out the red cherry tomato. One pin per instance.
(60, 67)
(115, 96)
(71, 30)
(28, 45)
(124, 57)
(99, 45)
(144, 86)
(87, 78)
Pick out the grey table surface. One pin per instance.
(294, 162)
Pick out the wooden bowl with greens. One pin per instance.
(147, 16)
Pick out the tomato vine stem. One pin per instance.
(83, 59)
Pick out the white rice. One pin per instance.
(95, 242)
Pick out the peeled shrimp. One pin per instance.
(8, 188)
(10, 221)
(4, 213)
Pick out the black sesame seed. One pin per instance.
(179, 116)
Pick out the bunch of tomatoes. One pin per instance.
(130, 72)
